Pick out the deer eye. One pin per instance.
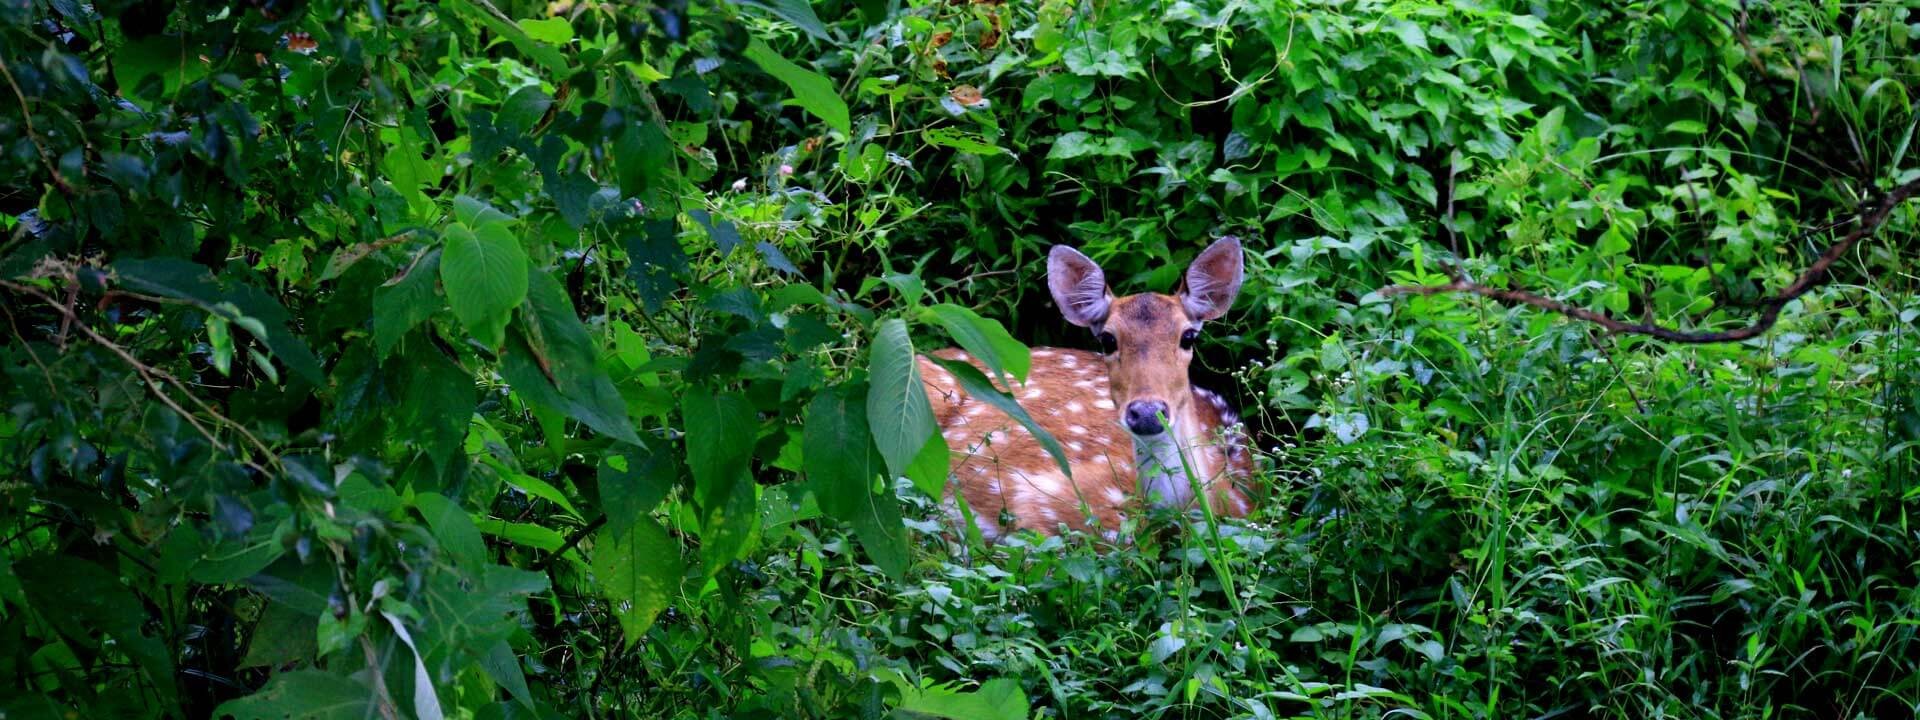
(1108, 343)
(1187, 338)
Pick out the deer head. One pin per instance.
(1147, 340)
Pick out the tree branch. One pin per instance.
(1870, 217)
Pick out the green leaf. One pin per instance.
(970, 143)
(977, 386)
(535, 487)
(552, 31)
(1411, 34)
(631, 484)
(538, 537)
(897, 407)
(282, 635)
(985, 339)
(1687, 127)
(841, 466)
(453, 528)
(485, 275)
(798, 12)
(812, 91)
(997, 699)
(561, 366)
(720, 432)
(437, 400)
(639, 572)
(312, 694)
(80, 598)
(406, 300)
(546, 55)
(426, 702)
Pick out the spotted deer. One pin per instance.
(1133, 427)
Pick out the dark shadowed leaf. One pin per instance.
(304, 694)
(841, 467)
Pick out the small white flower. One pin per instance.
(786, 169)
(740, 185)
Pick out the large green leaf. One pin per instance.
(568, 359)
(980, 388)
(437, 400)
(997, 699)
(897, 408)
(484, 271)
(721, 429)
(986, 339)
(811, 91)
(841, 466)
(638, 570)
(313, 694)
(454, 529)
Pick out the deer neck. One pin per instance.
(1163, 462)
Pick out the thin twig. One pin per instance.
(46, 157)
(1870, 219)
(154, 377)
(573, 541)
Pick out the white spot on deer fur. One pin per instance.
(953, 434)
(1033, 393)
(1103, 404)
(1069, 360)
(989, 529)
(1077, 429)
(1084, 384)
(1099, 460)
(979, 469)
(1074, 406)
(1239, 505)
(1075, 446)
(1050, 516)
(996, 437)
(961, 356)
(1115, 496)
(1043, 353)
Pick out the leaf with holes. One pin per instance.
(638, 571)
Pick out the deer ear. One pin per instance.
(1078, 285)
(1213, 280)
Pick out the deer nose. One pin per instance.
(1143, 417)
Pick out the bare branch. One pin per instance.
(1870, 217)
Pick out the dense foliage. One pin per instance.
(508, 358)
